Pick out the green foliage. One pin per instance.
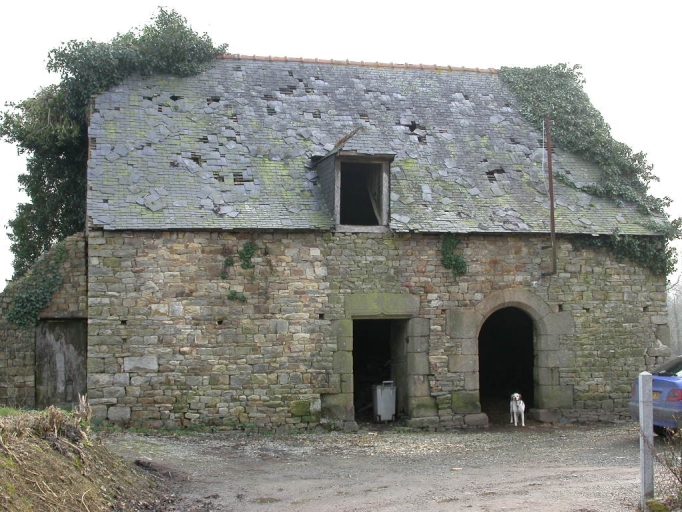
(578, 127)
(51, 128)
(10, 411)
(246, 254)
(654, 253)
(227, 263)
(233, 295)
(34, 292)
(449, 259)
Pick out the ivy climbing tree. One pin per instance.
(578, 127)
(51, 127)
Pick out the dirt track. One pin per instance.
(504, 468)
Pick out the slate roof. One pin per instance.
(231, 148)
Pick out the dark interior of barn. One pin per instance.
(371, 362)
(506, 361)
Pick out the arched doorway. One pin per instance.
(506, 361)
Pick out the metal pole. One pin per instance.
(548, 127)
(646, 439)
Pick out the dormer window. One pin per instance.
(361, 190)
(356, 189)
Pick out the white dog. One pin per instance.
(517, 409)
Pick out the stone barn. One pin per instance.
(268, 240)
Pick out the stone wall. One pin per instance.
(179, 335)
(17, 346)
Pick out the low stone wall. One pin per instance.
(184, 330)
(17, 345)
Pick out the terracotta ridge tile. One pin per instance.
(431, 67)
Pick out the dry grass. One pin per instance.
(50, 462)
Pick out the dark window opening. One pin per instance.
(361, 194)
(371, 363)
(506, 360)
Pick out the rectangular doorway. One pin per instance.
(61, 358)
(379, 354)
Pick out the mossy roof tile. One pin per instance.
(231, 148)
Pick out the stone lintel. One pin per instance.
(380, 305)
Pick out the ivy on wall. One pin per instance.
(637, 249)
(450, 260)
(245, 255)
(578, 127)
(34, 292)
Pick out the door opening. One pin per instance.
(506, 360)
(60, 366)
(379, 355)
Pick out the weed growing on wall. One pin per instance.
(450, 260)
(246, 254)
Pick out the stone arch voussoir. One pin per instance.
(526, 301)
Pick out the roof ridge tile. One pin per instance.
(431, 67)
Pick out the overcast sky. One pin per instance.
(629, 53)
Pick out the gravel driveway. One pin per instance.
(391, 469)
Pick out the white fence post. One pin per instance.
(646, 439)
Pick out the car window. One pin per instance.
(671, 369)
